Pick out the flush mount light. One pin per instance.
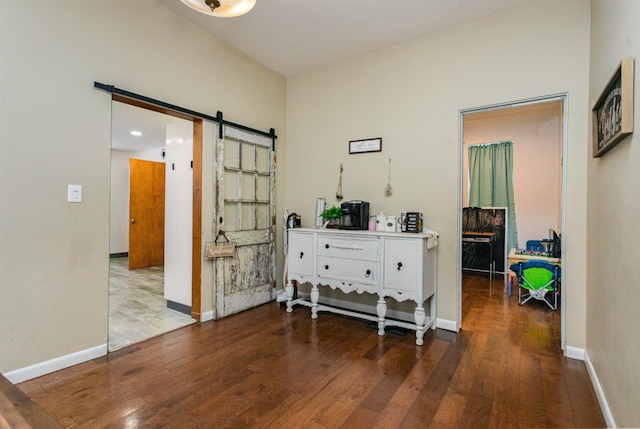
(221, 8)
(136, 133)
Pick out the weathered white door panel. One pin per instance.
(245, 210)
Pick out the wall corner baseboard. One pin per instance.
(206, 316)
(448, 325)
(47, 367)
(574, 353)
(602, 400)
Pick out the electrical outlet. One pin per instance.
(74, 193)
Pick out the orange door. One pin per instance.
(146, 213)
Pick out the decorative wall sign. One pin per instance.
(225, 250)
(612, 118)
(368, 145)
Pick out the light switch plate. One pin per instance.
(74, 193)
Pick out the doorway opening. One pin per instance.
(155, 219)
(538, 130)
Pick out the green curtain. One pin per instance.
(491, 182)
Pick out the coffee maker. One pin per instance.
(355, 215)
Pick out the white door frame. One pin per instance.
(564, 97)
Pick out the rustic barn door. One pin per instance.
(245, 211)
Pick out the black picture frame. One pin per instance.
(365, 145)
(612, 113)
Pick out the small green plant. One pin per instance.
(333, 212)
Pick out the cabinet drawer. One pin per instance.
(363, 272)
(366, 249)
(300, 254)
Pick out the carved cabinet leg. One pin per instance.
(315, 296)
(420, 318)
(382, 312)
(288, 290)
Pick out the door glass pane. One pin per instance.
(248, 187)
(262, 188)
(231, 153)
(262, 216)
(262, 159)
(230, 185)
(248, 156)
(230, 217)
(247, 217)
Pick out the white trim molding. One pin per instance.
(449, 325)
(602, 400)
(47, 367)
(206, 316)
(574, 353)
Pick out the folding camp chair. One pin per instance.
(536, 279)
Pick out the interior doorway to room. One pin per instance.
(151, 173)
(537, 129)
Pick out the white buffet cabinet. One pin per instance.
(394, 265)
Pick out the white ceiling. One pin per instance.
(296, 36)
(126, 118)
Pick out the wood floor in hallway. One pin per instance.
(265, 368)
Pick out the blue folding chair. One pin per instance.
(535, 246)
(536, 279)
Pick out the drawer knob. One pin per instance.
(301, 255)
(399, 265)
(326, 246)
(326, 267)
(368, 273)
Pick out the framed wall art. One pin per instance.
(612, 113)
(368, 145)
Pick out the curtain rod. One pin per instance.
(218, 118)
(490, 143)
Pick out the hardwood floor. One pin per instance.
(268, 368)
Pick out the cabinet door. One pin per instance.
(300, 256)
(402, 266)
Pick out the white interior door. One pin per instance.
(245, 210)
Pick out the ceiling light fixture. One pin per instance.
(221, 8)
(136, 133)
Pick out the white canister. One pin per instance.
(390, 225)
(381, 221)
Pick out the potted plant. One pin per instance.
(332, 215)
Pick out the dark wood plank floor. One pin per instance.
(267, 368)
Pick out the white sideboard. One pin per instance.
(388, 264)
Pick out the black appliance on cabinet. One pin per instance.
(355, 215)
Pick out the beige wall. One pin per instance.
(411, 96)
(55, 130)
(613, 294)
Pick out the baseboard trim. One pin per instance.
(448, 325)
(206, 316)
(574, 353)
(602, 399)
(119, 255)
(47, 367)
(182, 308)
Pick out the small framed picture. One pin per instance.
(612, 118)
(367, 145)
